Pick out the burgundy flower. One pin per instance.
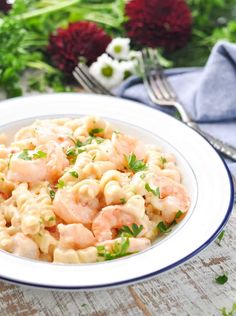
(80, 39)
(159, 23)
(5, 5)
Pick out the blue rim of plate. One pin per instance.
(155, 273)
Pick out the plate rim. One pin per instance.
(148, 275)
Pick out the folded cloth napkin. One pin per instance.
(208, 94)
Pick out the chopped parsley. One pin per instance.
(163, 228)
(178, 214)
(9, 161)
(60, 184)
(134, 164)
(126, 231)
(39, 154)
(123, 201)
(163, 161)
(142, 176)
(71, 152)
(119, 250)
(25, 155)
(220, 237)
(221, 279)
(230, 313)
(2, 179)
(52, 194)
(51, 219)
(74, 174)
(155, 192)
(95, 131)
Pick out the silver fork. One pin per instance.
(88, 82)
(161, 93)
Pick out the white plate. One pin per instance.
(205, 175)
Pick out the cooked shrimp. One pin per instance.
(173, 197)
(24, 246)
(71, 210)
(135, 244)
(26, 170)
(75, 236)
(35, 170)
(114, 217)
(124, 145)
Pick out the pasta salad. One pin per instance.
(80, 191)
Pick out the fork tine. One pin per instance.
(169, 90)
(146, 78)
(85, 83)
(97, 84)
(157, 74)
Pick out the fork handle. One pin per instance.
(225, 149)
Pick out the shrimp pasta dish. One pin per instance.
(80, 191)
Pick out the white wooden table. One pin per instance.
(187, 290)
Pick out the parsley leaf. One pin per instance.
(52, 194)
(74, 174)
(230, 313)
(163, 228)
(71, 152)
(163, 161)
(178, 214)
(40, 154)
(134, 164)
(220, 237)
(221, 279)
(123, 201)
(130, 232)
(118, 250)
(155, 192)
(9, 161)
(95, 131)
(25, 155)
(60, 184)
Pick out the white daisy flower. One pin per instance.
(119, 48)
(129, 68)
(134, 54)
(107, 71)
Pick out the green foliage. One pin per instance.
(213, 20)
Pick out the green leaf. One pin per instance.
(25, 155)
(60, 184)
(71, 152)
(126, 231)
(74, 174)
(163, 161)
(52, 194)
(221, 279)
(95, 131)
(230, 313)
(220, 237)
(163, 228)
(178, 214)
(119, 250)
(39, 155)
(134, 164)
(123, 200)
(9, 161)
(155, 192)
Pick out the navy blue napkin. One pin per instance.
(208, 94)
